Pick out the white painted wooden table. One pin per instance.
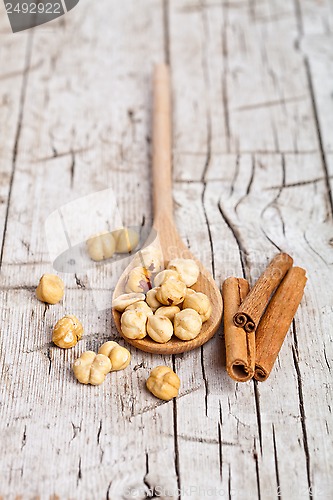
(253, 167)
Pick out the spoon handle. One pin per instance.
(162, 163)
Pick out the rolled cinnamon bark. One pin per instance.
(276, 321)
(251, 310)
(240, 346)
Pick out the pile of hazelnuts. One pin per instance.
(161, 303)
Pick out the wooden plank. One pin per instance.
(276, 115)
(13, 80)
(96, 442)
(282, 219)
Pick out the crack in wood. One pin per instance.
(229, 484)
(267, 104)
(258, 414)
(301, 406)
(24, 438)
(79, 283)
(299, 183)
(255, 456)
(270, 240)
(203, 371)
(277, 475)
(79, 473)
(299, 18)
(166, 30)
(49, 357)
(72, 169)
(326, 360)
(76, 430)
(107, 497)
(25, 76)
(205, 72)
(56, 154)
(151, 491)
(219, 429)
(226, 114)
(315, 251)
(99, 432)
(319, 135)
(236, 235)
(208, 135)
(234, 177)
(249, 186)
(175, 432)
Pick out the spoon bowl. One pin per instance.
(205, 284)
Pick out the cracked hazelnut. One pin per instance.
(200, 303)
(119, 356)
(163, 383)
(150, 258)
(167, 311)
(152, 300)
(140, 306)
(126, 240)
(126, 299)
(171, 293)
(133, 324)
(187, 269)
(138, 280)
(50, 289)
(187, 324)
(101, 246)
(165, 275)
(159, 328)
(67, 331)
(91, 368)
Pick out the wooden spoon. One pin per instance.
(170, 242)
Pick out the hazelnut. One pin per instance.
(163, 383)
(187, 269)
(150, 258)
(159, 328)
(167, 311)
(140, 306)
(126, 299)
(67, 331)
(200, 303)
(101, 246)
(119, 356)
(50, 289)
(171, 293)
(91, 368)
(138, 280)
(126, 240)
(152, 300)
(133, 324)
(187, 324)
(165, 275)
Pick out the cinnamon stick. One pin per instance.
(276, 321)
(240, 346)
(251, 310)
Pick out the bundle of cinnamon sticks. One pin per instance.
(256, 321)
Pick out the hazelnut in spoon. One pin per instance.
(168, 239)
